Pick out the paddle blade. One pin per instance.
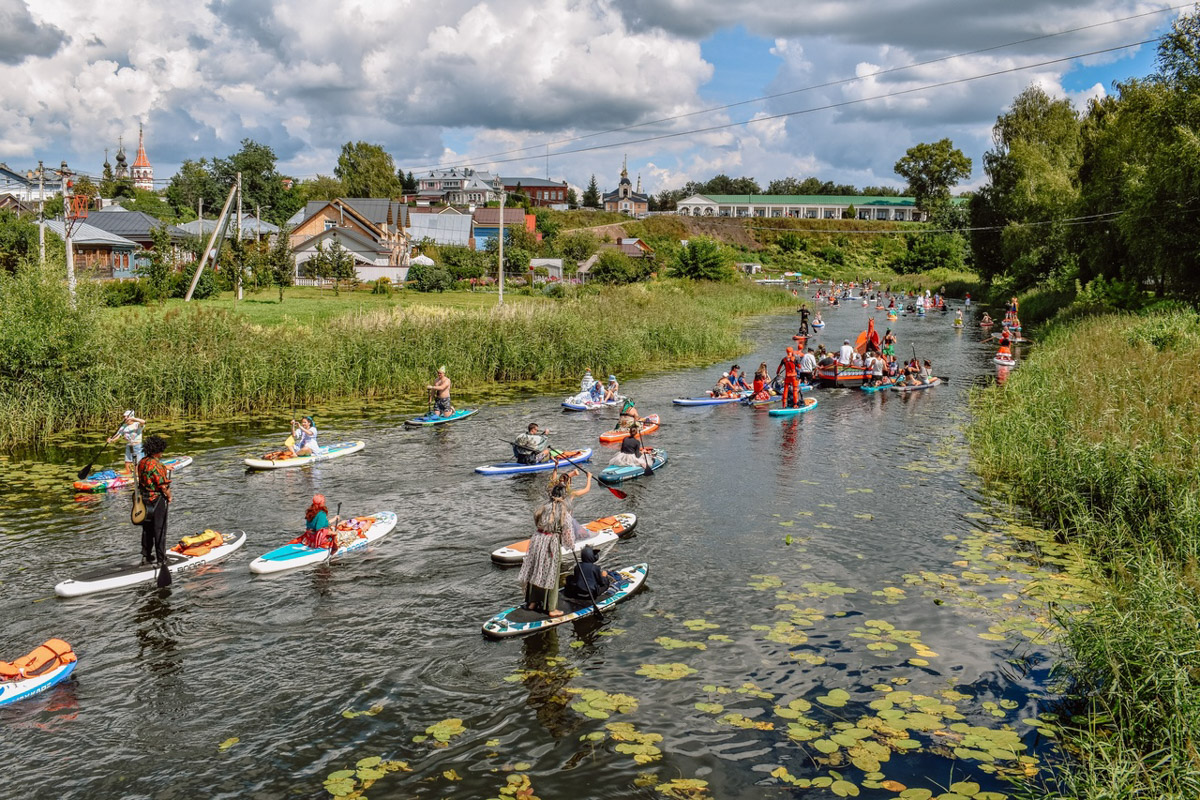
(617, 493)
(83, 472)
(164, 576)
(289, 442)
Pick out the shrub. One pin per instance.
(833, 255)
(382, 285)
(429, 278)
(702, 259)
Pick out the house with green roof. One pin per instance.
(801, 206)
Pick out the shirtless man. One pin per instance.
(442, 388)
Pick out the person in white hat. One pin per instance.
(612, 392)
(131, 430)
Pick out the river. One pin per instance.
(832, 602)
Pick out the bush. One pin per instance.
(937, 251)
(576, 245)
(792, 243)
(123, 293)
(614, 267)
(41, 331)
(382, 285)
(833, 255)
(702, 259)
(429, 279)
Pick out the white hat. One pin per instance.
(128, 413)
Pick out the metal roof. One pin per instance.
(83, 233)
(441, 228)
(808, 200)
(491, 216)
(131, 224)
(535, 183)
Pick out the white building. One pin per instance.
(806, 206)
(458, 186)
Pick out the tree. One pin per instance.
(410, 184)
(576, 245)
(591, 195)
(192, 183)
(18, 240)
(367, 170)
(84, 187)
(615, 267)
(262, 184)
(322, 187)
(931, 170)
(158, 268)
(784, 186)
(572, 198)
(704, 260)
(429, 278)
(334, 262)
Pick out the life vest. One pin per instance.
(44, 658)
(199, 545)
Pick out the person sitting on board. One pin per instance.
(556, 529)
(817, 321)
(846, 355)
(762, 383)
(304, 437)
(987, 319)
(318, 528)
(587, 581)
(532, 447)
(131, 431)
(1005, 338)
(596, 393)
(724, 387)
(737, 379)
(441, 386)
(632, 453)
(628, 416)
(154, 483)
(613, 390)
(877, 369)
(926, 373)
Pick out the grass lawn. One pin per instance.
(309, 304)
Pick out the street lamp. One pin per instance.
(499, 186)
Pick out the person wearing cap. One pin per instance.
(154, 483)
(846, 356)
(131, 431)
(724, 386)
(612, 391)
(317, 525)
(791, 386)
(304, 436)
(441, 387)
(532, 447)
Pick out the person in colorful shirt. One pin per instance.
(131, 431)
(154, 483)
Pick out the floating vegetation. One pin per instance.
(679, 644)
(350, 713)
(349, 784)
(228, 743)
(684, 788)
(442, 732)
(598, 704)
(516, 787)
(666, 672)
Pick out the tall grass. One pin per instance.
(1099, 433)
(200, 362)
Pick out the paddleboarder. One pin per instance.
(804, 319)
(613, 390)
(555, 530)
(304, 437)
(587, 581)
(154, 482)
(441, 387)
(317, 525)
(131, 432)
(532, 447)
(791, 386)
(631, 453)
(628, 415)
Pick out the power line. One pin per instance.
(828, 84)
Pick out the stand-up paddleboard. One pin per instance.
(110, 480)
(880, 387)
(581, 402)
(710, 400)
(48, 664)
(121, 575)
(747, 401)
(326, 453)
(554, 462)
(603, 533)
(818, 325)
(294, 555)
(612, 474)
(809, 404)
(649, 425)
(1005, 362)
(436, 419)
(916, 387)
(521, 622)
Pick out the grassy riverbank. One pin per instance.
(1098, 433)
(203, 361)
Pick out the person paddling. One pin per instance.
(556, 529)
(154, 484)
(441, 387)
(804, 320)
(628, 416)
(131, 432)
(791, 386)
(532, 447)
(631, 454)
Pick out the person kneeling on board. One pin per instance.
(318, 528)
(631, 452)
(587, 582)
(532, 447)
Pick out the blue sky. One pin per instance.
(457, 82)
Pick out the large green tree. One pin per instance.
(932, 170)
(262, 183)
(367, 170)
(194, 182)
(702, 259)
(591, 195)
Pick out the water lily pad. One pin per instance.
(446, 730)
(844, 788)
(228, 743)
(836, 698)
(666, 672)
(678, 644)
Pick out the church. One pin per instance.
(625, 199)
(142, 173)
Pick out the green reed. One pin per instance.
(199, 362)
(1098, 434)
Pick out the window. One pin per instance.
(329, 224)
(831, 213)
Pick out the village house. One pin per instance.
(23, 186)
(541, 192)
(372, 230)
(459, 186)
(136, 226)
(100, 253)
(900, 209)
(487, 223)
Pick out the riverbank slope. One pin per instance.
(1098, 434)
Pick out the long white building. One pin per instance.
(801, 206)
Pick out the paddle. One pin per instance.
(83, 473)
(617, 493)
(333, 545)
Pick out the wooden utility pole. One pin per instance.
(212, 240)
(238, 232)
(67, 212)
(501, 234)
(41, 213)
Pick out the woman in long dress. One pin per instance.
(556, 529)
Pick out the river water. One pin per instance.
(831, 602)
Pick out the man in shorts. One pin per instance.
(441, 388)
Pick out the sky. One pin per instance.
(540, 86)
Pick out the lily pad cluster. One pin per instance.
(349, 784)
(598, 704)
(516, 787)
(666, 672)
(442, 732)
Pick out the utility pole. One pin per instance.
(200, 213)
(66, 194)
(41, 213)
(257, 223)
(238, 233)
(211, 247)
(501, 246)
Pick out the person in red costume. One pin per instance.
(791, 386)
